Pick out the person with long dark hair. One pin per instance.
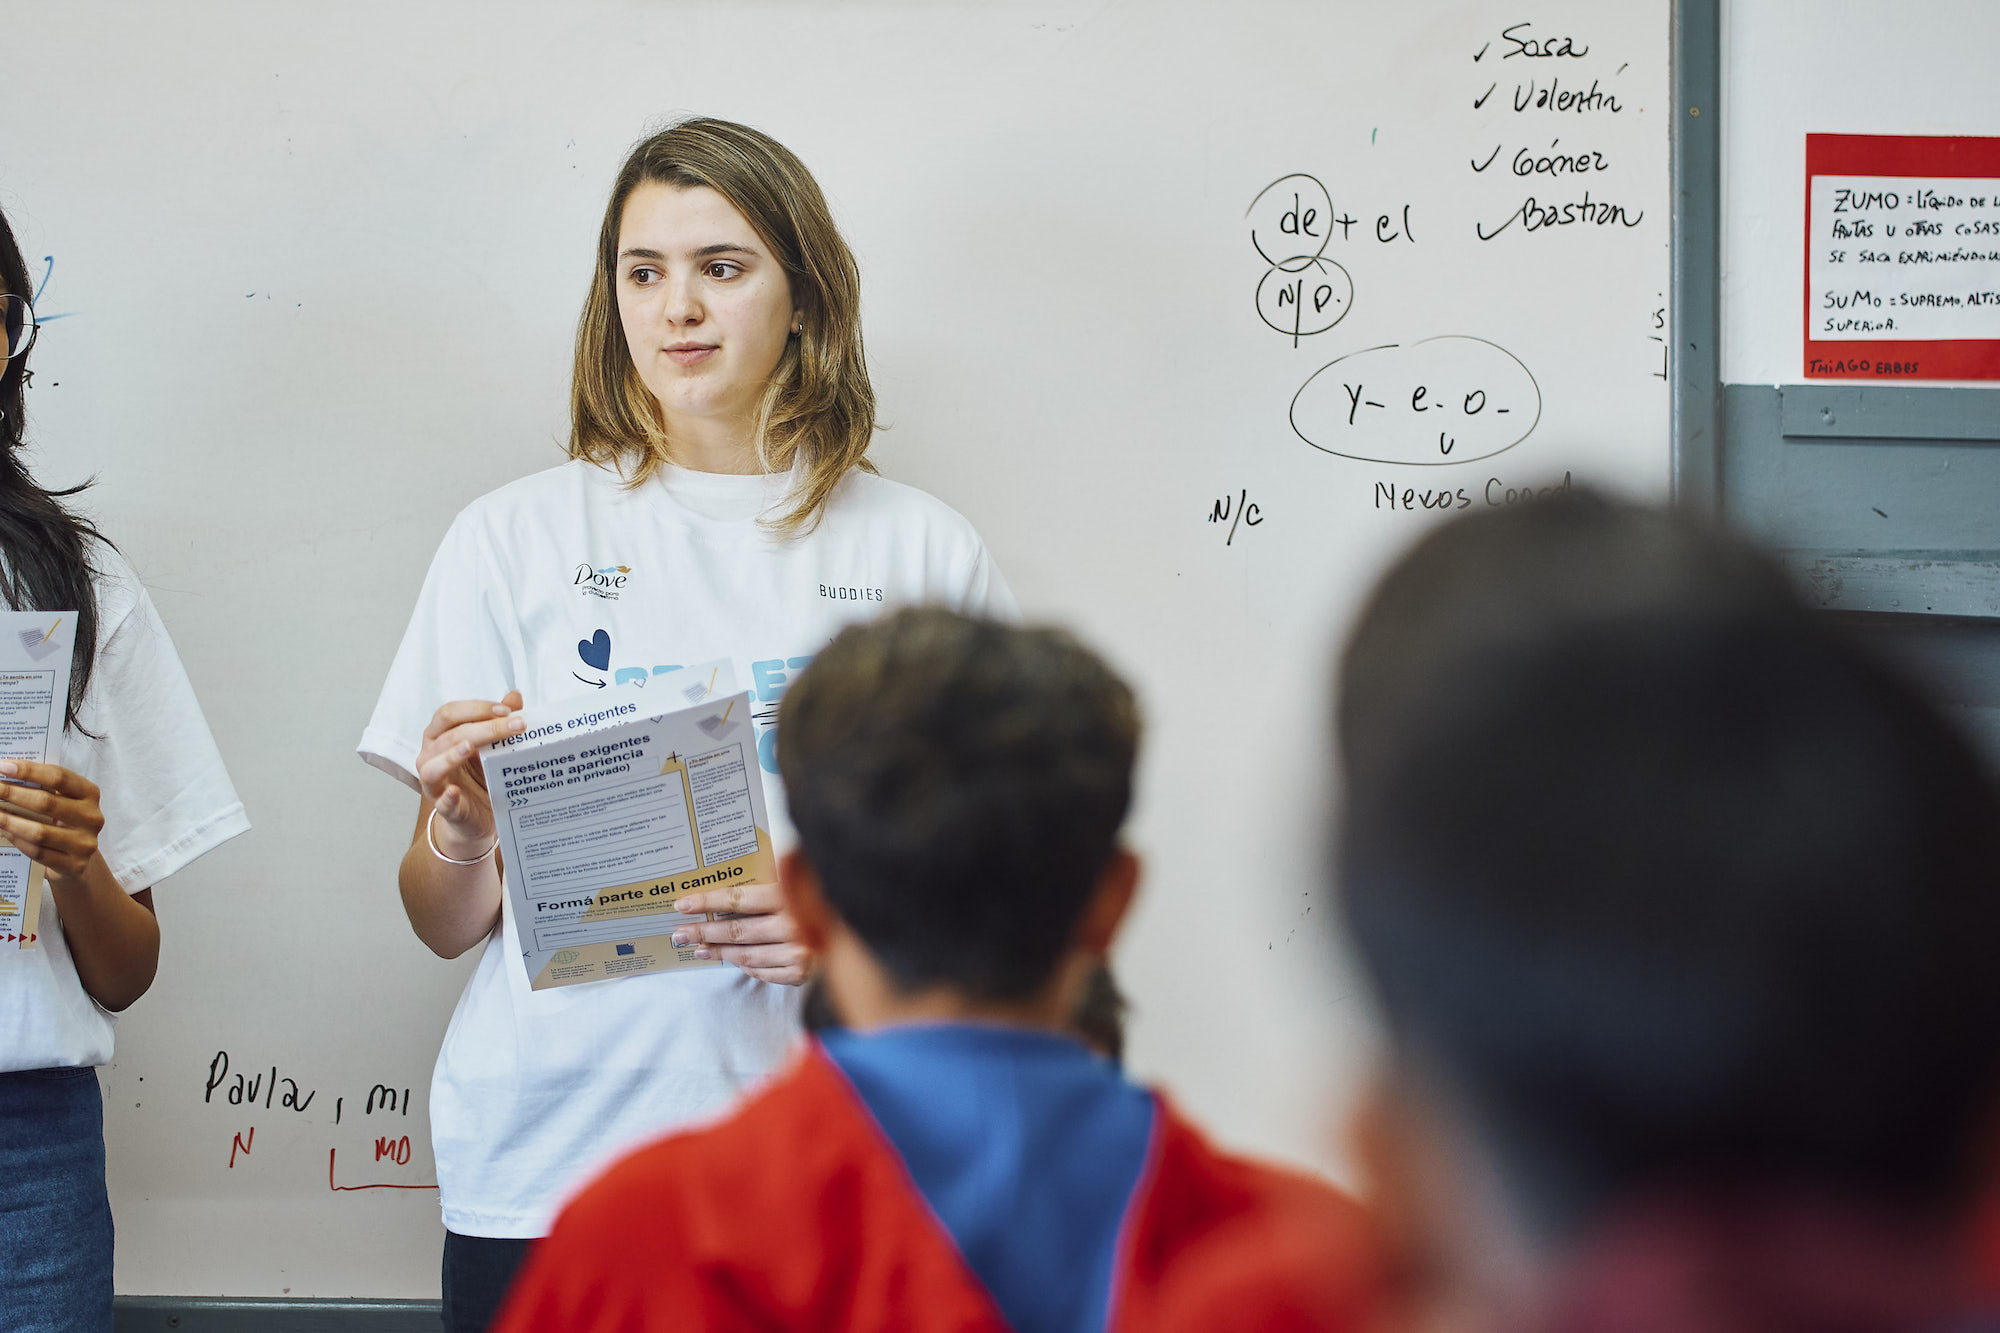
(136, 791)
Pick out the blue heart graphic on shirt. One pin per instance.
(595, 650)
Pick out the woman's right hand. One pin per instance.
(448, 769)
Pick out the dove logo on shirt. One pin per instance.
(604, 581)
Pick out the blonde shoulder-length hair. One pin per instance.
(819, 411)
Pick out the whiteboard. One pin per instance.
(318, 273)
(1796, 67)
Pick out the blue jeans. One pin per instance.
(55, 1218)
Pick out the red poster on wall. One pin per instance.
(1902, 257)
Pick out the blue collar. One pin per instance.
(1027, 1146)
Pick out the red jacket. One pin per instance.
(797, 1213)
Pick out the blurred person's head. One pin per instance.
(1668, 892)
(958, 786)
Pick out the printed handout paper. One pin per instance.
(35, 648)
(611, 807)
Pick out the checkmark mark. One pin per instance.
(1482, 51)
(1480, 101)
(1481, 166)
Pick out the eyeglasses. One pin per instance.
(17, 319)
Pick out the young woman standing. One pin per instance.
(137, 792)
(717, 503)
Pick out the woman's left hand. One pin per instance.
(67, 846)
(760, 937)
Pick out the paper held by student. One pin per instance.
(35, 650)
(613, 806)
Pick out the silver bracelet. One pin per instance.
(430, 836)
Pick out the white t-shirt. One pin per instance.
(566, 581)
(166, 800)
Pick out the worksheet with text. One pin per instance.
(35, 655)
(612, 807)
